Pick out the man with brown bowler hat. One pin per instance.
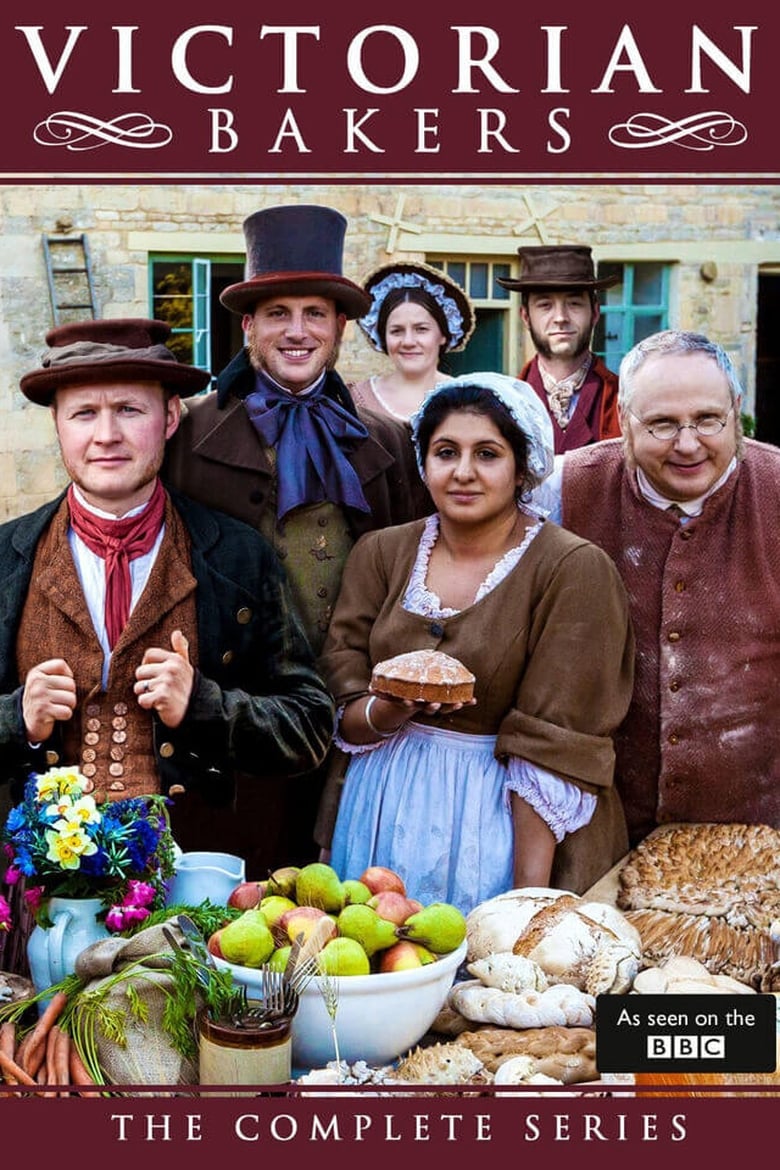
(146, 639)
(560, 308)
(280, 443)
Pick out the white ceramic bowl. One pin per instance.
(378, 1018)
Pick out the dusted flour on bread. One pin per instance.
(428, 676)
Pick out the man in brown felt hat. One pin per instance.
(560, 308)
(146, 639)
(281, 444)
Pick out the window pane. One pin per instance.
(648, 284)
(457, 271)
(616, 294)
(478, 284)
(172, 299)
(644, 326)
(500, 293)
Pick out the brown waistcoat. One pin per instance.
(109, 736)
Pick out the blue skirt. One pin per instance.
(431, 805)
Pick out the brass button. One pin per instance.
(176, 790)
(120, 708)
(93, 709)
(322, 591)
(674, 636)
(117, 753)
(119, 736)
(52, 758)
(679, 586)
(116, 769)
(93, 725)
(116, 786)
(674, 686)
(227, 658)
(244, 615)
(89, 755)
(685, 534)
(119, 722)
(323, 521)
(674, 738)
(89, 770)
(166, 750)
(92, 738)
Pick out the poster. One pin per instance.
(539, 117)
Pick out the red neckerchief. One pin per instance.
(118, 542)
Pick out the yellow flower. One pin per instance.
(59, 782)
(68, 843)
(82, 811)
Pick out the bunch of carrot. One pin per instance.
(45, 1055)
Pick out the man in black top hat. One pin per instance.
(560, 308)
(280, 443)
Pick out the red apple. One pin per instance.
(246, 895)
(404, 956)
(303, 920)
(393, 906)
(379, 877)
(212, 943)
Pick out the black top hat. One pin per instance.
(122, 349)
(556, 266)
(295, 251)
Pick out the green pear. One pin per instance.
(343, 956)
(356, 892)
(365, 926)
(319, 885)
(274, 906)
(282, 881)
(247, 940)
(278, 960)
(440, 927)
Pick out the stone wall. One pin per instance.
(732, 229)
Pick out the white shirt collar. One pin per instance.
(301, 393)
(99, 511)
(689, 507)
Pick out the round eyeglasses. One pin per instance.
(666, 429)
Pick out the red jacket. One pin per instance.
(595, 416)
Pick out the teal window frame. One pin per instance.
(621, 322)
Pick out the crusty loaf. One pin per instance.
(568, 1054)
(426, 676)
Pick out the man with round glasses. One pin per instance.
(688, 509)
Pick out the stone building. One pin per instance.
(693, 256)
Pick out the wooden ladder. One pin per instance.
(69, 275)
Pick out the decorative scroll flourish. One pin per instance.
(697, 132)
(77, 131)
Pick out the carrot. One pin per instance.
(9, 1065)
(20, 1056)
(62, 1060)
(36, 1052)
(79, 1073)
(8, 1045)
(51, 1044)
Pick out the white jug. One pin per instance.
(204, 875)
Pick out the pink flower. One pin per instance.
(5, 914)
(12, 875)
(135, 914)
(138, 894)
(34, 897)
(115, 919)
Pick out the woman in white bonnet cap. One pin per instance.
(466, 801)
(418, 315)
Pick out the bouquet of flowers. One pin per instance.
(66, 845)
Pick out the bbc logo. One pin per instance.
(668, 1047)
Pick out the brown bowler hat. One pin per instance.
(125, 349)
(295, 251)
(556, 266)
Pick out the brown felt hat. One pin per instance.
(123, 349)
(556, 266)
(295, 251)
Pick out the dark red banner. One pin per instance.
(493, 90)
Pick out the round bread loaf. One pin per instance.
(426, 676)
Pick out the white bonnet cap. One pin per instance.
(523, 404)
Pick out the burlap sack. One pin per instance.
(148, 1057)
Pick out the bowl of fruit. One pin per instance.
(384, 961)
